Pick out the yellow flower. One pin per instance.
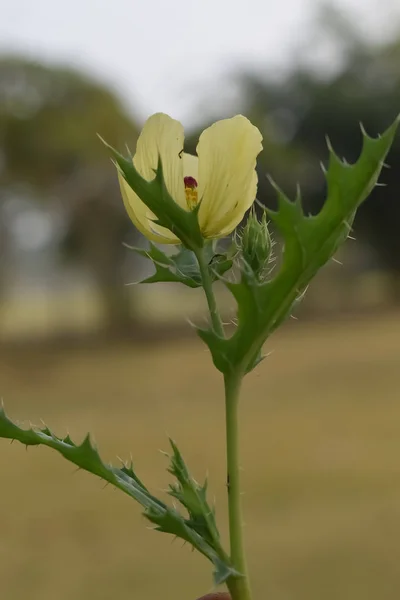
(222, 177)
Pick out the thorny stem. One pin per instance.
(238, 585)
(207, 286)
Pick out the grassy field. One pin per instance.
(321, 458)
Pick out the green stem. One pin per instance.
(239, 587)
(207, 286)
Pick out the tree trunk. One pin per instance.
(102, 251)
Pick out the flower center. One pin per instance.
(191, 191)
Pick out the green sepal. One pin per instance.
(254, 244)
(309, 242)
(182, 267)
(154, 194)
(166, 518)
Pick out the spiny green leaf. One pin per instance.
(153, 253)
(182, 223)
(309, 242)
(86, 456)
(172, 523)
(194, 498)
(182, 267)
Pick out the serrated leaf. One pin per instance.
(309, 242)
(86, 456)
(175, 525)
(153, 253)
(163, 274)
(182, 267)
(182, 223)
(186, 265)
(193, 497)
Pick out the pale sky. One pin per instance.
(169, 55)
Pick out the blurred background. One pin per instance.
(84, 350)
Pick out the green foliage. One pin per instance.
(194, 498)
(309, 242)
(365, 88)
(49, 118)
(198, 529)
(183, 267)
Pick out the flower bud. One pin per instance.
(255, 244)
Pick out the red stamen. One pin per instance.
(190, 182)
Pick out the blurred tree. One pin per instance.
(49, 118)
(294, 115)
(297, 110)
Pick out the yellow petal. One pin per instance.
(162, 137)
(225, 225)
(190, 166)
(227, 181)
(142, 217)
